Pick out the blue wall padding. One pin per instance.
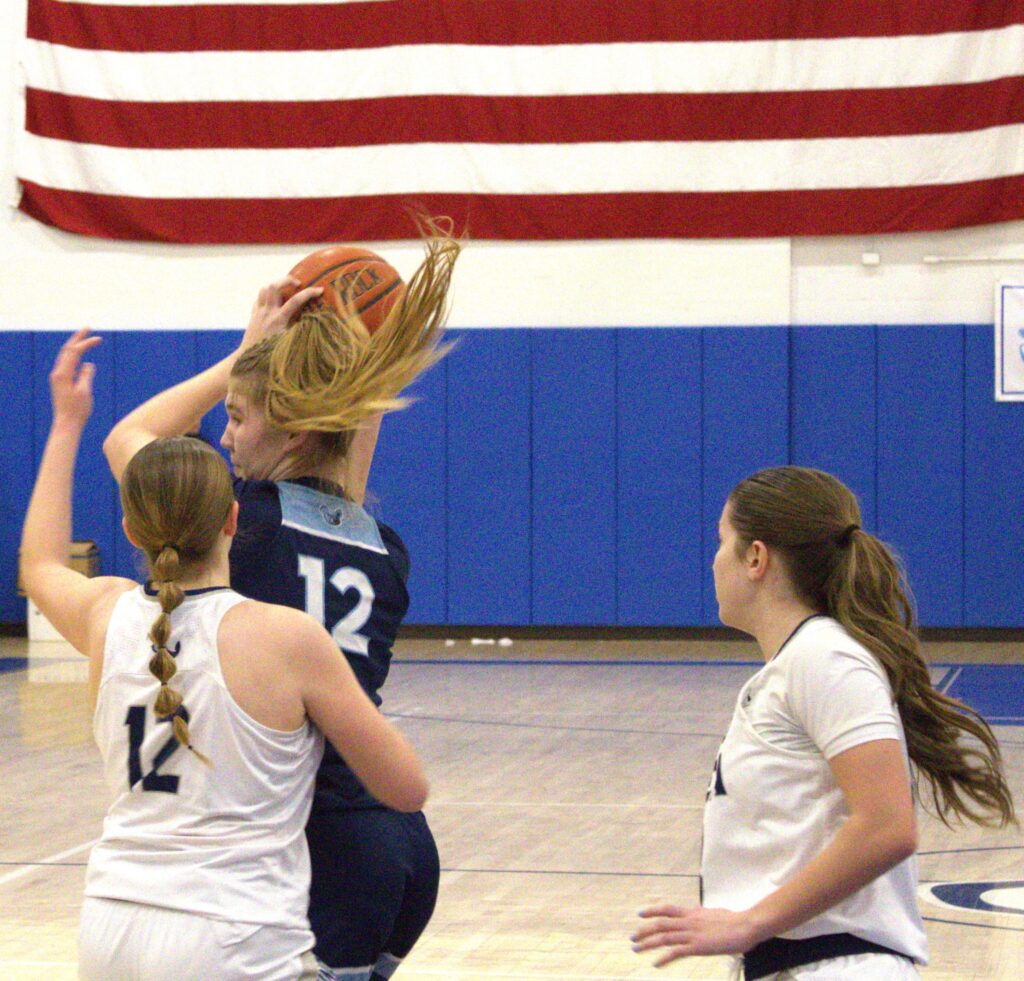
(746, 422)
(574, 501)
(920, 462)
(147, 363)
(993, 493)
(659, 528)
(832, 407)
(211, 347)
(489, 488)
(17, 380)
(575, 477)
(408, 490)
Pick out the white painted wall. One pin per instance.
(52, 280)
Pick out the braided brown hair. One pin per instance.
(176, 494)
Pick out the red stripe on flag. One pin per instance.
(551, 119)
(566, 217)
(297, 27)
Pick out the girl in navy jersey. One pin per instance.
(304, 408)
(203, 709)
(809, 828)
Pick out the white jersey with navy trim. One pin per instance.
(773, 804)
(227, 840)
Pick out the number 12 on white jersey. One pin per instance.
(346, 631)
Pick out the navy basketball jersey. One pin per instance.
(300, 543)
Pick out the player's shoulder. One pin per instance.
(822, 646)
(311, 509)
(270, 625)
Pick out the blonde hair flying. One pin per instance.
(328, 374)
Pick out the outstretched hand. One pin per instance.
(275, 307)
(71, 379)
(693, 932)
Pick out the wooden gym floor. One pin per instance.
(568, 779)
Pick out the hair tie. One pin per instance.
(846, 534)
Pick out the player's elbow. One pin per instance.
(410, 795)
(112, 450)
(897, 839)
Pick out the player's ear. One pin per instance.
(128, 534)
(231, 524)
(757, 559)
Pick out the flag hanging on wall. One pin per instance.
(249, 122)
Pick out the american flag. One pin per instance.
(250, 122)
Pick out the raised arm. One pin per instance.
(360, 457)
(175, 410)
(74, 604)
(881, 832)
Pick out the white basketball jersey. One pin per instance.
(227, 840)
(773, 804)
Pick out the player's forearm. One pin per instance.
(861, 851)
(360, 458)
(46, 535)
(171, 413)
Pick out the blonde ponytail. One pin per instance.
(327, 375)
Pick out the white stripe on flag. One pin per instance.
(582, 168)
(709, 66)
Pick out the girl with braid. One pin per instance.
(808, 866)
(304, 395)
(205, 704)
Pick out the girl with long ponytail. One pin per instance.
(304, 395)
(808, 866)
(202, 868)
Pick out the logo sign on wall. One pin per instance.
(1010, 342)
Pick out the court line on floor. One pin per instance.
(538, 725)
(575, 662)
(412, 972)
(980, 848)
(580, 872)
(48, 860)
(968, 923)
(568, 804)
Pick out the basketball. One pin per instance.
(355, 277)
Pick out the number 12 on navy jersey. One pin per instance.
(346, 579)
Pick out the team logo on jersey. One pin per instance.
(333, 516)
(978, 897)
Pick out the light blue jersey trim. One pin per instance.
(327, 516)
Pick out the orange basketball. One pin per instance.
(357, 277)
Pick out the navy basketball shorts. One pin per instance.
(375, 876)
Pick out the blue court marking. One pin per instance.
(994, 690)
(8, 664)
(970, 896)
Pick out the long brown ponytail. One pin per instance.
(176, 494)
(813, 520)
